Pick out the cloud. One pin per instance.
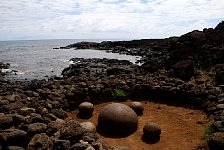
(105, 19)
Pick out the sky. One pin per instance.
(105, 19)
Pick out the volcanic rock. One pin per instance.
(216, 141)
(71, 131)
(36, 128)
(53, 127)
(40, 141)
(183, 69)
(88, 126)
(5, 121)
(26, 111)
(62, 144)
(59, 113)
(15, 148)
(13, 136)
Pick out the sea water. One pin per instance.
(36, 59)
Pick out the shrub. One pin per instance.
(119, 95)
(208, 129)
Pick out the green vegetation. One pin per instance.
(202, 76)
(208, 129)
(119, 95)
(201, 72)
(192, 79)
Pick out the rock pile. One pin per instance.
(98, 67)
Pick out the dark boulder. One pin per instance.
(51, 116)
(183, 69)
(4, 102)
(34, 118)
(5, 121)
(53, 127)
(216, 141)
(89, 137)
(26, 111)
(150, 66)
(79, 146)
(195, 38)
(71, 131)
(61, 144)
(141, 91)
(13, 137)
(117, 71)
(59, 113)
(219, 76)
(40, 141)
(18, 119)
(36, 128)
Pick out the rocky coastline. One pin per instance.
(3, 66)
(182, 71)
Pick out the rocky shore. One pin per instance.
(182, 71)
(3, 66)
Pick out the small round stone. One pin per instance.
(117, 118)
(86, 109)
(151, 130)
(88, 126)
(137, 107)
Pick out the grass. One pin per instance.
(208, 129)
(119, 95)
(203, 74)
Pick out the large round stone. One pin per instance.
(137, 107)
(86, 109)
(117, 118)
(151, 131)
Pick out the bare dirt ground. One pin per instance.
(182, 128)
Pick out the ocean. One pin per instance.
(36, 59)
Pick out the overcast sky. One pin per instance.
(105, 19)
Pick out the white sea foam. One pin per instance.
(20, 73)
(6, 70)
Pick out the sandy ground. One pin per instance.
(182, 128)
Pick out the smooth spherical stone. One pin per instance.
(117, 118)
(151, 130)
(137, 107)
(86, 109)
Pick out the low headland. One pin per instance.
(185, 71)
